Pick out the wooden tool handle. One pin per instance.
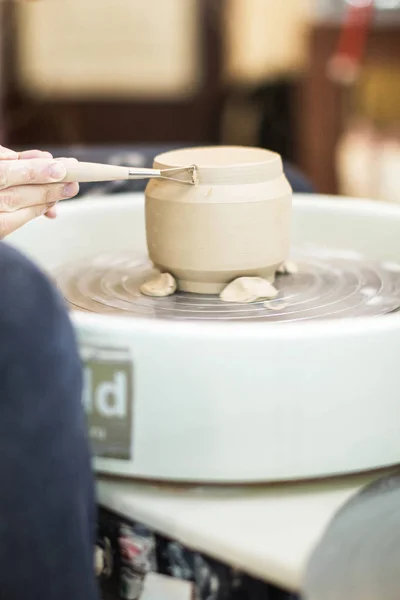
(87, 172)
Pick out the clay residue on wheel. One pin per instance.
(162, 285)
(248, 289)
(289, 267)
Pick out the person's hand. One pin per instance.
(29, 187)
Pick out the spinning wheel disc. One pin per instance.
(328, 286)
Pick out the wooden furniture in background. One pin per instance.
(66, 122)
(319, 106)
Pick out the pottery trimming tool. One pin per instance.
(92, 172)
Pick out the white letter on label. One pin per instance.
(87, 390)
(111, 397)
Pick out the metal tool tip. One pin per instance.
(188, 170)
(194, 176)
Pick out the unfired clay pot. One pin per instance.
(235, 222)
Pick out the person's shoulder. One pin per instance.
(12, 259)
(25, 288)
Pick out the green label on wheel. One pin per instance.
(108, 400)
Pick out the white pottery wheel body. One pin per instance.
(245, 402)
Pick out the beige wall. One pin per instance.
(265, 38)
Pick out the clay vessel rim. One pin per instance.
(179, 157)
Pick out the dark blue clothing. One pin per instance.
(47, 516)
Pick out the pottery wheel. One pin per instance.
(328, 285)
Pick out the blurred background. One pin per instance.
(316, 80)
